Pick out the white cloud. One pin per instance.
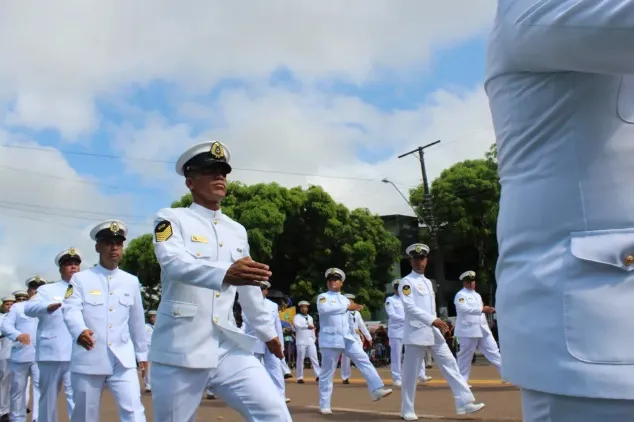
(40, 215)
(64, 54)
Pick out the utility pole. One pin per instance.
(428, 206)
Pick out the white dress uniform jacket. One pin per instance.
(335, 323)
(396, 317)
(470, 321)
(54, 343)
(5, 342)
(108, 303)
(5, 378)
(15, 323)
(303, 334)
(359, 327)
(421, 310)
(259, 347)
(195, 304)
(560, 82)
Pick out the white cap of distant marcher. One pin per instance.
(67, 254)
(35, 280)
(396, 282)
(467, 274)
(265, 285)
(150, 313)
(417, 250)
(350, 296)
(335, 272)
(8, 299)
(109, 229)
(20, 293)
(303, 303)
(204, 155)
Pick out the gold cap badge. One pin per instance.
(114, 227)
(419, 249)
(72, 251)
(37, 278)
(217, 151)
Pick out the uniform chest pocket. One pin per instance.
(201, 251)
(625, 100)
(94, 300)
(126, 300)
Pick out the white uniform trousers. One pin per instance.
(20, 373)
(239, 380)
(5, 387)
(396, 361)
(52, 376)
(124, 386)
(487, 346)
(307, 351)
(285, 369)
(329, 359)
(448, 368)
(544, 407)
(273, 366)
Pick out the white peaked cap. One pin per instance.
(331, 271)
(8, 299)
(69, 251)
(303, 302)
(350, 296)
(417, 249)
(213, 148)
(36, 278)
(115, 226)
(467, 274)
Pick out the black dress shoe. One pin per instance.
(300, 381)
(346, 381)
(287, 376)
(4, 418)
(317, 379)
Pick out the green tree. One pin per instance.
(300, 233)
(139, 259)
(466, 202)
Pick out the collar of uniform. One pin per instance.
(205, 212)
(106, 271)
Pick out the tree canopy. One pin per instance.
(466, 202)
(299, 233)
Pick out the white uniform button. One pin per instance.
(110, 326)
(109, 344)
(216, 319)
(217, 294)
(220, 244)
(111, 309)
(629, 260)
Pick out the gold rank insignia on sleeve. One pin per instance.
(407, 290)
(322, 300)
(163, 231)
(69, 291)
(461, 300)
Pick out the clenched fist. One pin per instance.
(247, 272)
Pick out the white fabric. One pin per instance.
(15, 323)
(544, 407)
(307, 351)
(239, 380)
(20, 373)
(124, 385)
(5, 387)
(53, 376)
(448, 368)
(486, 345)
(329, 360)
(273, 366)
(560, 82)
(396, 317)
(396, 360)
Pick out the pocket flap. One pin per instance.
(609, 247)
(178, 309)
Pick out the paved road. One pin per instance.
(352, 403)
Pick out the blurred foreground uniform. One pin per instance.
(196, 343)
(560, 82)
(107, 302)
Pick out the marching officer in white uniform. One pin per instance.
(424, 329)
(21, 329)
(305, 341)
(360, 329)
(472, 329)
(54, 343)
(565, 268)
(149, 329)
(204, 255)
(272, 363)
(103, 311)
(395, 326)
(5, 354)
(336, 336)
